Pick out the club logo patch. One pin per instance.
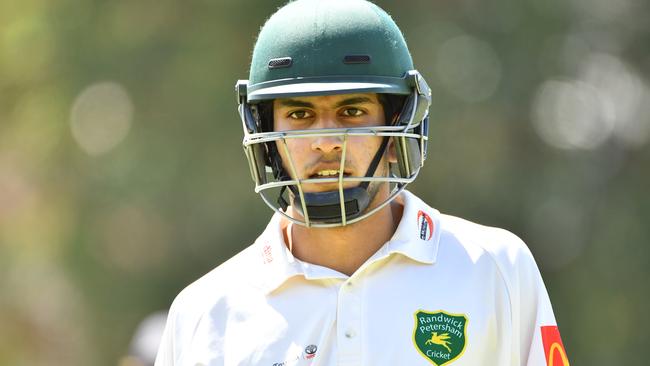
(425, 225)
(440, 336)
(553, 347)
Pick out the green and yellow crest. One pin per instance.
(440, 336)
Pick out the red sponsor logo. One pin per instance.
(553, 347)
(425, 225)
(267, 255)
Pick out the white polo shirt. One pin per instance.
(442, 291)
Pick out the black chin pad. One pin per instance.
(325, 207)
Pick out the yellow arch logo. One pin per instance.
(560, 350)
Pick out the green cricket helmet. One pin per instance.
(327, 47)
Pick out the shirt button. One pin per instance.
(350, 333)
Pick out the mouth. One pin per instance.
(328, 173)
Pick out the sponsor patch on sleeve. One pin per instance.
(553, 347)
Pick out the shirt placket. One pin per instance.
(349, 331)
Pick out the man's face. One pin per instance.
(320, 156)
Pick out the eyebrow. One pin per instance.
(353, 100)
(295, 103)
(303, 104)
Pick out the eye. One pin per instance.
(300, 114)
(352, 112)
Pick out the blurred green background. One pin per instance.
(122, 177)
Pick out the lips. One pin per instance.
(328, 172)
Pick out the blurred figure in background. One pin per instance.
(146, 340)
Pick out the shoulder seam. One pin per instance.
(505, 281)
(496, 263)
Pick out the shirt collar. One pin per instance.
(417, 237)
(418, 233)
(278, 264)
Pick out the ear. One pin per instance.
(392, 152)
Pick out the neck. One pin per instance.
(345, 248)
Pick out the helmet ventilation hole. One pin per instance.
(278, 63)
(356, 59)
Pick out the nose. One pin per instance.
(327, 144)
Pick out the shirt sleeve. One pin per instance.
(533, 319)
(165, 355)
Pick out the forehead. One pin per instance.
(327, 100)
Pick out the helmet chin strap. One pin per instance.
(325, 207)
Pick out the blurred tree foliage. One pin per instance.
(122, 178)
